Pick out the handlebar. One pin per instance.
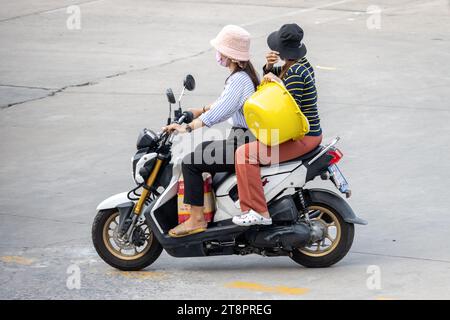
(186, 117)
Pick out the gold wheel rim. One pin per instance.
(321, 248)
(115, 247)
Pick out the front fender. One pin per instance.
(334, 201)
(113, 201)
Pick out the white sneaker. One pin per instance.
(251, 218)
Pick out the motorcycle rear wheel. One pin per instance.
(114, 252)
(334, 247)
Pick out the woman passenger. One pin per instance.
(297, 75)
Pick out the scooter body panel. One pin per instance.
(169, 193)
(113, 201)
(275, 170)
(278, 180)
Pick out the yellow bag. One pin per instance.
(272, 115)
(184, 210)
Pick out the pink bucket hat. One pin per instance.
(233, 42)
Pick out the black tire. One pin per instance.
(140, 263)
(334, 256)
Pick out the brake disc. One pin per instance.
(138, 238)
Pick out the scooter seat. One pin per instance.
(307, 156)
(303, 158)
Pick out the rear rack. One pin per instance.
(325, 149)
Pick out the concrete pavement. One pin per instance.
(72, 102)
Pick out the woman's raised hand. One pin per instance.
(272, 57)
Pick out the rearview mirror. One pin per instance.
(170, 96)
(189, 82)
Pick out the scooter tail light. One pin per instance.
(336, 156)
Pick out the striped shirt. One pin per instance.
(299, 80)
(238, 88)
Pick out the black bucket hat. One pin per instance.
(288, 42)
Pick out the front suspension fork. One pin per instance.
(146, 192)
(143, 198)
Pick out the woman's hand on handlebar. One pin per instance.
(174, 127)
(196, 112)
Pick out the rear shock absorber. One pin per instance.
(303, 208)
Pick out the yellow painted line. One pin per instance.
(264, 288)
(384, 298)
(326, 68)
(17, 260)
(140, 275)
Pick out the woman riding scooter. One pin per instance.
(232, 45)
(297, 75)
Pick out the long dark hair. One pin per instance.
(248, 68)
(286, 67)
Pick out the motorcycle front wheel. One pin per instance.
(126, 256)
(336, 244)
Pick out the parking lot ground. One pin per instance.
(72, 102)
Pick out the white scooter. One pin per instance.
(314, 227)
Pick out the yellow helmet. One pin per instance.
(272, 115)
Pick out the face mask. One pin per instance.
(221, 60)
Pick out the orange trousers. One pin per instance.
(250, 156)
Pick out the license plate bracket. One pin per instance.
(339, 180)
